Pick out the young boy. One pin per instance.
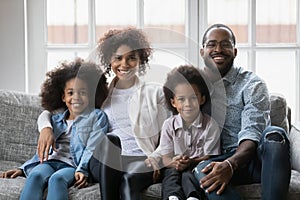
(189, 136)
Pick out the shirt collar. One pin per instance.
(84, 114)
(232, 74)
(178, 122)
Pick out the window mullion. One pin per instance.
(140, 13)
(92, 24)
(192, 35)
(252, 36)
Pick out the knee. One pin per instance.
(197, 170)
(275, 134)
(56, 179)
(36, 176)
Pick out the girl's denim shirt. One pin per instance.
(88, 130)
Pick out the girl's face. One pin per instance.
(76, 96)
(187, 100)
(125, 63)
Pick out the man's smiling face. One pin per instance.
(218, 52)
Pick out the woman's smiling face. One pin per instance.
(125, 62)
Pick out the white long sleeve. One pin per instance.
(44, 120)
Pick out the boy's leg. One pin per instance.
(190, 185)
(171, 184)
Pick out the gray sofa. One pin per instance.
(18, 137)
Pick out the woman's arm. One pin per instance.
(46, 138)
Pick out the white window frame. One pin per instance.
(196, 23)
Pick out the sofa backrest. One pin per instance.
(280, 113)
(18, 125)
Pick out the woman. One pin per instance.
(136, 112)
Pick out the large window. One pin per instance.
(266, 32)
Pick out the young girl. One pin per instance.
(78, 87)
(189, 136)
(136, 111)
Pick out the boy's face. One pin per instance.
(187, 101)
(76, 96)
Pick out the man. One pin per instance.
(252, 151)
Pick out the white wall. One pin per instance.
(12, 45)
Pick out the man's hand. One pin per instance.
(80, 180)
(219, 175)
(46, 140)
(12, 173)
(152, 162)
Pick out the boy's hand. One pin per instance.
(80, 180)
(12, 173)
(182, 163)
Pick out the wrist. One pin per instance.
(230, 165)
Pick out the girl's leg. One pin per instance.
(36, 182)
(60, 181)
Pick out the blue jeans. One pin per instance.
(56, 174)
(271, 167)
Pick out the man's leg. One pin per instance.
(229, 193)
(276, 167)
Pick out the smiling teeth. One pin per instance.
(124, 71)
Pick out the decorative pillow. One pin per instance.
(279, 111)
(294, 137)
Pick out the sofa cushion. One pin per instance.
(294, 137)
(279, 111)
(18, 125)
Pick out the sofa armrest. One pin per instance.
(294, 137)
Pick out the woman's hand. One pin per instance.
(46, 140)
(80, 180)
(12, 173)
(152, 162)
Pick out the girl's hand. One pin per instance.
(80, 180)
(12, 173)
(152, 162)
